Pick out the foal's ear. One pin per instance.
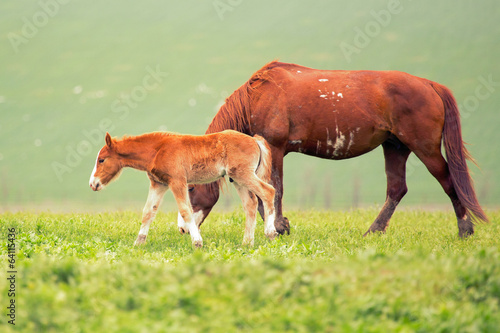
(109, 141)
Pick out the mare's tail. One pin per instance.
(457, 155)
(264, 168)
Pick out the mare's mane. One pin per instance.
(235, 112)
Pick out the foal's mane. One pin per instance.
(235, 112)
(146, 136)
(129, 144)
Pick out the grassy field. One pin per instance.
(80, 273)
(88, 59)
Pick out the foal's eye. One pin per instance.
(190, 189)
(101, 160)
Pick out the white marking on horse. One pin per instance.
(194, 231)
(95, 180)
(323, 96)
(323, 80)
(340, 95)
(329, 141)
(339, 142)
(295, 142)
(351, 140)
(298, 72)
(270, 229)
(318, 147)
(180, 223)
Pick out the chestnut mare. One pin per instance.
(337, 114)
(174, 160)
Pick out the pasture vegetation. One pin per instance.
(83, 73)
(80, 273)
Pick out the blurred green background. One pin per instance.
(69, 69)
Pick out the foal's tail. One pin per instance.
(457, 155)
(264, 168)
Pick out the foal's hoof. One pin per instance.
(248, 243)
(271, 235)
(141, 239)
(282, 226)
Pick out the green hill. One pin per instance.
(72, 69)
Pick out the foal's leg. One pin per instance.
(155, 195)
(198, 217)
(249, 201)
(396, 154)
(266, 193)
(180, 191)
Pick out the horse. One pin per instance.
(174, 160)
(339, 114)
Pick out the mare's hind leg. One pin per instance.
(438, 167)
(249, 201)
(396, 154)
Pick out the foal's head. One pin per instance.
(107, 167)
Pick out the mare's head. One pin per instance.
(202, 197)
(107, 167)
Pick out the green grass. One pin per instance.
(104, 48)
(80, 273)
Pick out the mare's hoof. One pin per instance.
(375, 231)
(465, 234)
(282, 226)
(376, 228)
(465, 227)
(141, 239)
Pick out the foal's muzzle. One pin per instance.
(95, 185)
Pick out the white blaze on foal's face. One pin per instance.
(95, 182)
(107, 167)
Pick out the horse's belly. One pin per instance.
(202, 173)
(335, 143)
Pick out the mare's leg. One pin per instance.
(281, 223)
(155, 195)
(180, 191)
(249, 201)
(437, 166)
(396, 154)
